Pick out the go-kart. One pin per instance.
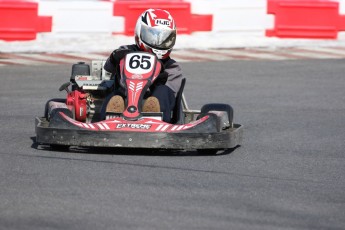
(81, 120)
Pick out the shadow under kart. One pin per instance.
(79, 120)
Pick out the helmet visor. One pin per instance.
(158, 37)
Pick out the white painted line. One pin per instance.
(337, 52)
(256, 55)
(314, 53)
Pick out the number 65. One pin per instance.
(144, 62)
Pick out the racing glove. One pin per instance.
(116, 56)
(161, 79)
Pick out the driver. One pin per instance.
(155, 32)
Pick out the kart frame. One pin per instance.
(201, 138)
(210, 128)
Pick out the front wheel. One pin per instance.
(224, 113)
(60, 148)
(218, 107)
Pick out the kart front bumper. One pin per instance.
(225, 139)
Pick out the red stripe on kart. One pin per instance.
(152, 124)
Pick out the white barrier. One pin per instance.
(81, 17)
(245, 17)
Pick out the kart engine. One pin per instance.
(89, 89)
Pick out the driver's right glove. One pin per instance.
(116, 56)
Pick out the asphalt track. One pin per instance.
(289, 172)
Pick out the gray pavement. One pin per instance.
(288, 174)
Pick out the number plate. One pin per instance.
(140, 63)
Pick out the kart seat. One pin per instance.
(177, 113)
(177, 116)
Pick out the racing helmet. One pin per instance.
(155, 32)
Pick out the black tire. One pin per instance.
(218, 107)
(207, 151)
(60, 148)
(62, 100)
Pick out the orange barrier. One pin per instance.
(186, 22)
(19, 20)
(305, 19)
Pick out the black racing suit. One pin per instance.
(165, 87)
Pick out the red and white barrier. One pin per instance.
(55, 25)
(19, 20)
(306, 19)
(186, 22)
